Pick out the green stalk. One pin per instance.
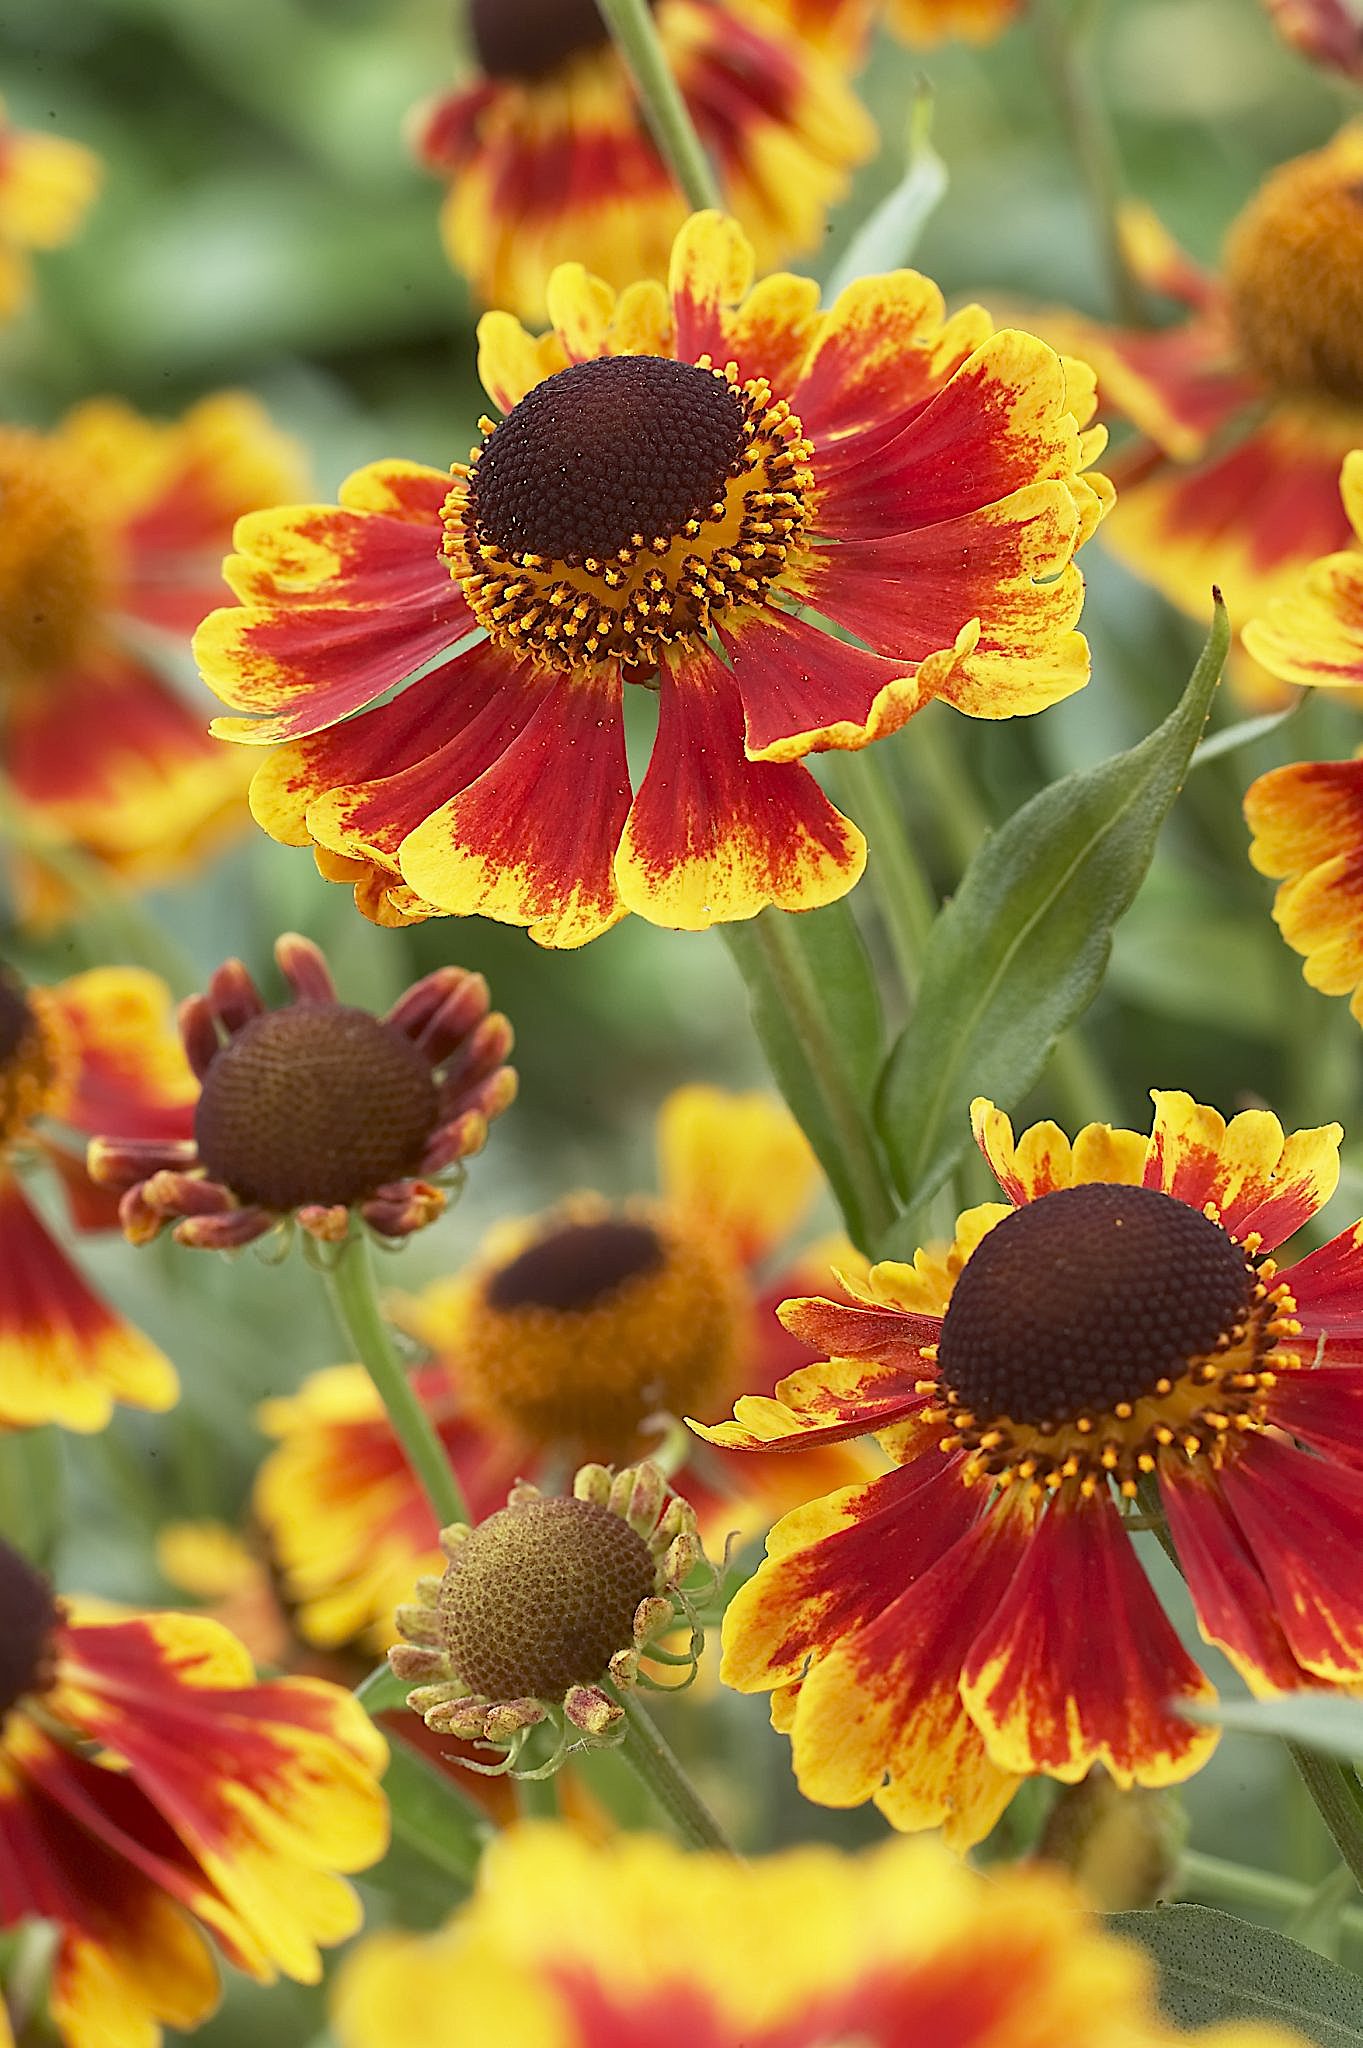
(1086, 123)
(630, 23)
(901, 889)
(650, 1756)
(356, 1301)
(766, 955)
(1235, 1884)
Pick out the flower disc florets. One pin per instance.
(33, 1056)
(315, 1103)
(545, 1602)
(1294, 274)
(28, 1616)
(529, 38)
(600, 1320)
(317, 1109)
(53, 567)
(624, 501)
(1100, 1324)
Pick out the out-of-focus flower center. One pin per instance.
(541, 1596)
(33, 1057)
(1294, 272)
(529, 38)
(599, 1324)
(28, 1617)
(1101, 1325)
(54, 564)
(314, 1103)
(622, 504)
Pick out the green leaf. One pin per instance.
(431, 1814)
(889, 235)
(1020, 951)
(382, 1691)
(1327, 1722)
(1232, 737)
(1214, 1967)
(816, 1010)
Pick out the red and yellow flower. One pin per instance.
(565, 1339)
(317, 1111)
(843, 27)
(46, 185)
(156, 1798)
(643, 515)
(115, 522)
(569, 1944)
(1248, 404)
(92, 1053)
(548, 156)
(1307, 819)
(1117, 1327)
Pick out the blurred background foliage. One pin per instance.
(262, 226)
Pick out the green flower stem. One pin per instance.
(631, 28)
(356, 1302)
(1086, 123)
(1333, 1785)
(961, 817)
(1235, 1884)
(902, 891)
(770, 963)
(650, 1756)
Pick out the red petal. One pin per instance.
(1303, 1521)
(804, 691)
(1327, 1287)
(1079, 1664)
(1234, 1606)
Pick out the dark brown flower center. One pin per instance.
(316, 1102)
(1087, 1298)
(17, 1022)
(28, 1616)
(605, 455)
(578, 1266)
(1294, 277)
(528, 38)
(541, 1597)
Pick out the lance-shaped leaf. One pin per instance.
(1020, 951)
(816, 1010)
(1331, 1723)
(1213, 1967)
(889, 236)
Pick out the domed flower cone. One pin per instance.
(315, 1110)
(545, 1611)
(1118, 1327)
(1249, 402)
(157, 1800)
(570, 1335)
(549, 158)
(676, 478)
(96, 1052)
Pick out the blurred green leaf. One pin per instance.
(1020, 951)
(1328, 1722)
(1242, 734)
(889, 235)
(382, 1692)
(432, 1816)
(1214, 1967)
(837, 1003)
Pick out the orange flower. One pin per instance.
(92, 1053)
(843, 27)
(570, 1945)
(1117, 1326)
(113, 518)
(1248, 403)
(308, 1113)
(153, 1794)
(46, 184)
(565, 1338)
(641, 515)
(548, 157)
